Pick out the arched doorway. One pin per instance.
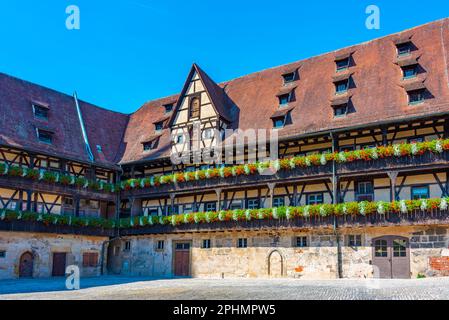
(26, 265)
(275, 264)
(391, 257)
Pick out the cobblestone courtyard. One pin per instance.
(275, 289)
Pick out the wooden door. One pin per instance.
(26, 265)
(391, 255)
(59, 264)
(182, 259)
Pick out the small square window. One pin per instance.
(410, 72)
(242, 243)
(127, 246)
(160, 245)
(416, 96)
(208, 134)
(210, 206)
(278, 123)
(355, 240)
(289, 77)
(2, 254)
(68, 202)
(415, 140)
(420, 192)
(40, 112)
(236, 205)
(278, 202)
(315, 198)
(342, 64)
(341, 86)
(45, 136)
(340, 110)
(301, 242)
(284, 99)
(404, 48)
(90, 259)
(206, 244)
(168, 108)
(252, 204)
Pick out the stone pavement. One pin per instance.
(109, 287)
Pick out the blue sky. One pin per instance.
(129, 52)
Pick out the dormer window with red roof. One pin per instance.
(40, 111)
(341, 110)
(341, 87)
(151, 145)
(279, 123)
(289, 77)
(410, 72)
(168, 107)
(45, 136)
(416, 96)
(404, 49)
(342, 64)
(284, 99)
(159, 126)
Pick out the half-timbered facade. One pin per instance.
(359, 189)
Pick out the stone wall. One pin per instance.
(274, 253)
(14, 244)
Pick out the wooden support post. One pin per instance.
(271, 187)
(20, 200)
(446, 129)
(295, 196)
(136, 207)
(384, 136)
(29, 197)
(393, 175)
(218, 193)
(172, 202)
(76, 203)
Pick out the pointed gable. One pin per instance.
(210, 94)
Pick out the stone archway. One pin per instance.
(26, 265)
(275, 262)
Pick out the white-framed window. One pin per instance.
(315, 198)
(242, 243)
(206, 244)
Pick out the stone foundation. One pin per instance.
(42, 246)
(274, 253)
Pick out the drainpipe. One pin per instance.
(335, 200)
(83, 128)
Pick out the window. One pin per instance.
(301, 242)
(160, 245)
(314, 198)
(420, 192)
(149, 145)
(278, 202)
(364, 191)
(347, 148)
(242, 243)
(187, 208)
(340, 110)
(171, 211)
(399, 248)
(90, 259)
(168, 108)
(2, 254)
(289, 77)
(179, 139)
(342, 64)
(45, 136)
(278, 123)
(284, 99)
(416, 96)
(235, 205)
(159, 126)
(341, 86)
(194, 107)
(206, 244)
(127, 246)
(415, 140)
(68, 202)
(355, 240)
(40, 112)
(381, 248)
(208, 133)
(252, 204)
(210, 206)
(410, 72)
(404, 48)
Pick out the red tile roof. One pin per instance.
(377, 94)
